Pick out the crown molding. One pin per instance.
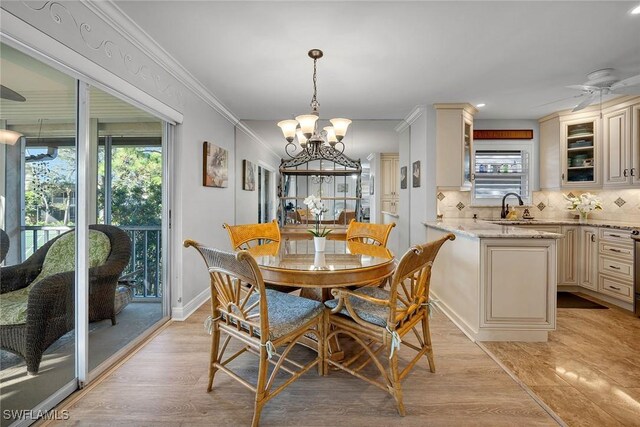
(417, 111)
(115, 17)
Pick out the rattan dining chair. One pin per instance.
(370, 234)
(378, 319)
(262, 320)
(258, 239)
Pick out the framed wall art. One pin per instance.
(403, 177)
(248, 175)
(416, 173)
(215, 170)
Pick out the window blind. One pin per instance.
(498, 172)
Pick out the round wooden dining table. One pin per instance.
(296, 264)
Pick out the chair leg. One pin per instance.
(395, 387)
(260, 387)
(426, 333)
(213, 357)
(321, 344)
(325, 347)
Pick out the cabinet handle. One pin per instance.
(614, 267)
(593, 238)
(563, 177)
(626, 173)
(614, 287)
(615, 235)
(615, 250)
(633, 171)
(473, 177)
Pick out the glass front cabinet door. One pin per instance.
(580, 153)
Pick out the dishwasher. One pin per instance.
(635, 235)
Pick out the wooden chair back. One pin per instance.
(372, 234)
(238, 297)
(258, 239)
(410, 282)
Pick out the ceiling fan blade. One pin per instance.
(586, 102)
(631, 81)
(12, 95)
(559, 100)
(582, 87)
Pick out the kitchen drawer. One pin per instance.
(623, 252)
(613, 287)
(616, 267)
(621, 237)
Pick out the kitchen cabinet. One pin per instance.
(588, 261)
(615, 264)
(635, 144)
(454, 146)
(617, 147)
(568, 262)
(390, 185)
(580, 161)
(598, 147)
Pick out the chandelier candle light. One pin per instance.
(317, 208)
(305, 127)
(584, 204)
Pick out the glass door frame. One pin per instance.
(83, 209)
(273, 196)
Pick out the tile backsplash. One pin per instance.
(617, 205)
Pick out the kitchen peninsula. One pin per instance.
(496, 282)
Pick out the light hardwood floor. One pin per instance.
(589, 370)
(164, 385)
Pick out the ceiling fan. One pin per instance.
(601, 83)
(10, 94)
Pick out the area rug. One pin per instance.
(571, 300)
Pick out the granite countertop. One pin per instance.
(620, 225)
(484, 229)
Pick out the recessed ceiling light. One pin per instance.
(480, 105)
(636, 10)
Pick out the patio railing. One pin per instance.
(145, 267)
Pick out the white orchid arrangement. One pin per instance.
(584, 203)
(316, 207)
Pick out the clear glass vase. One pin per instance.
(583, 217)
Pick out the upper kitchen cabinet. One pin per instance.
(454, 146)
(635, 144)
(579, 145)
(594, 148)
(616, 134)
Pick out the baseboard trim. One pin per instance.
(181, 314)
(460, 324)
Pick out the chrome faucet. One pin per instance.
(505, 210)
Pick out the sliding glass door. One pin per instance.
(38, 179)
(83, 231)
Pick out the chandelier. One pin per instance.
(327, 142)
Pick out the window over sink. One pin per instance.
(501, 169)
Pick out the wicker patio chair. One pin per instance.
(4, 244)
(378, 319)
(51, 301)
(366, 233)
(261, 319)
(258, 239)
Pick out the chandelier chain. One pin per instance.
(314, 100)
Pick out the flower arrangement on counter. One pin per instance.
(317, 208)
(584, 204)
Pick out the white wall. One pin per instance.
(198, 211)
(403, 226)
(247, 148)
